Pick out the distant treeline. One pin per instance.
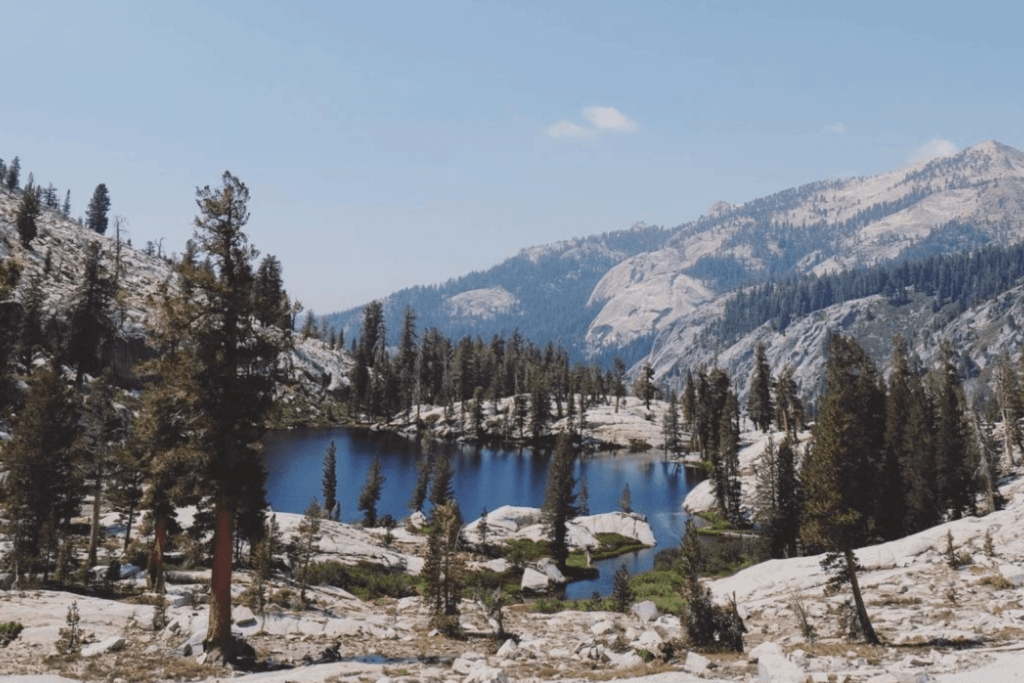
(959, 278)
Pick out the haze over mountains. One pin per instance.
(656, 294)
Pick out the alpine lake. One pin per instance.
(484, 477)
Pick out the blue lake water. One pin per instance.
(484, 477)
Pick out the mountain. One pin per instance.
(658, 294)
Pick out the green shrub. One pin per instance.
(9, 632)
(365, 580)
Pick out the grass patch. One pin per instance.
(524, 550)
(660, 587)
(364, 580)
(715, 523)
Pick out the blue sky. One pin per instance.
(387, 144)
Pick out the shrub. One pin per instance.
(9, 632)
(363, 579)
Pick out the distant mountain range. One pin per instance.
(658, 294)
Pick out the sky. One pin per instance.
(388, 144)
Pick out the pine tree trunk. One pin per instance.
(862, 612)
(155, 568)
(218, 634)
(128, 526)
(94, 535)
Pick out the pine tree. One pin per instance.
(622, 593)
(43, 489)
(583, 498)
(559, 499)
(441, 492)
(96, 213)
(1011, 407)
(370, 495)
(759, 398)
(269, 298)
(14, 174)
(839, 468)
(309, 537)
(92, 322)
(644, 388)
(424, 469)
(689, 400)
(727, 465)
(789, 410)
(778, 502)
(443, 571)
(405, 361)
(329, 483)
(28, 212)
(955, 482)
(670, 425)
(66, 208)
(618, 380)
(222, 366)
(102, 429)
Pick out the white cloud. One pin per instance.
(568, 129)
(600, 119)
(837, 128)
(932, 149)
(609, 118)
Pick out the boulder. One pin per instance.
(628, 524)
(602, 628)
(534, 581)
(112, 644)
(417, 520)
(507, 649)
(486, 674)
(772, 668)
(548, 567)
(645, 611)
(499, 565)
(765, 648)
(1013, 574)
(243, 617)
(695, 663)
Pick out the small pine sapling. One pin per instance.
(70, 641)
(626, 501)
(622, 593)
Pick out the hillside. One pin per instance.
(57, 259)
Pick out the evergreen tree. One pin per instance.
(839, 468)
(42, 489)
(559, 499)
(955, 482)
(689, 400)
(727, 466)
(1011, 405)
(789, 410)
(443, 571)
(66, 208)
(269, 298)
(622, 593)
(442, 474)
(406, 359)
(778, 503)
(91, 315)
(329, 482)
(759, 398)
(308, 540)
(28, 212)
(96, 213)
(424, 468)
(644, 388)
(103, 430)
(618, 380)
(670, 425)
(226, 368)
(370, 495)
(14, 174)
